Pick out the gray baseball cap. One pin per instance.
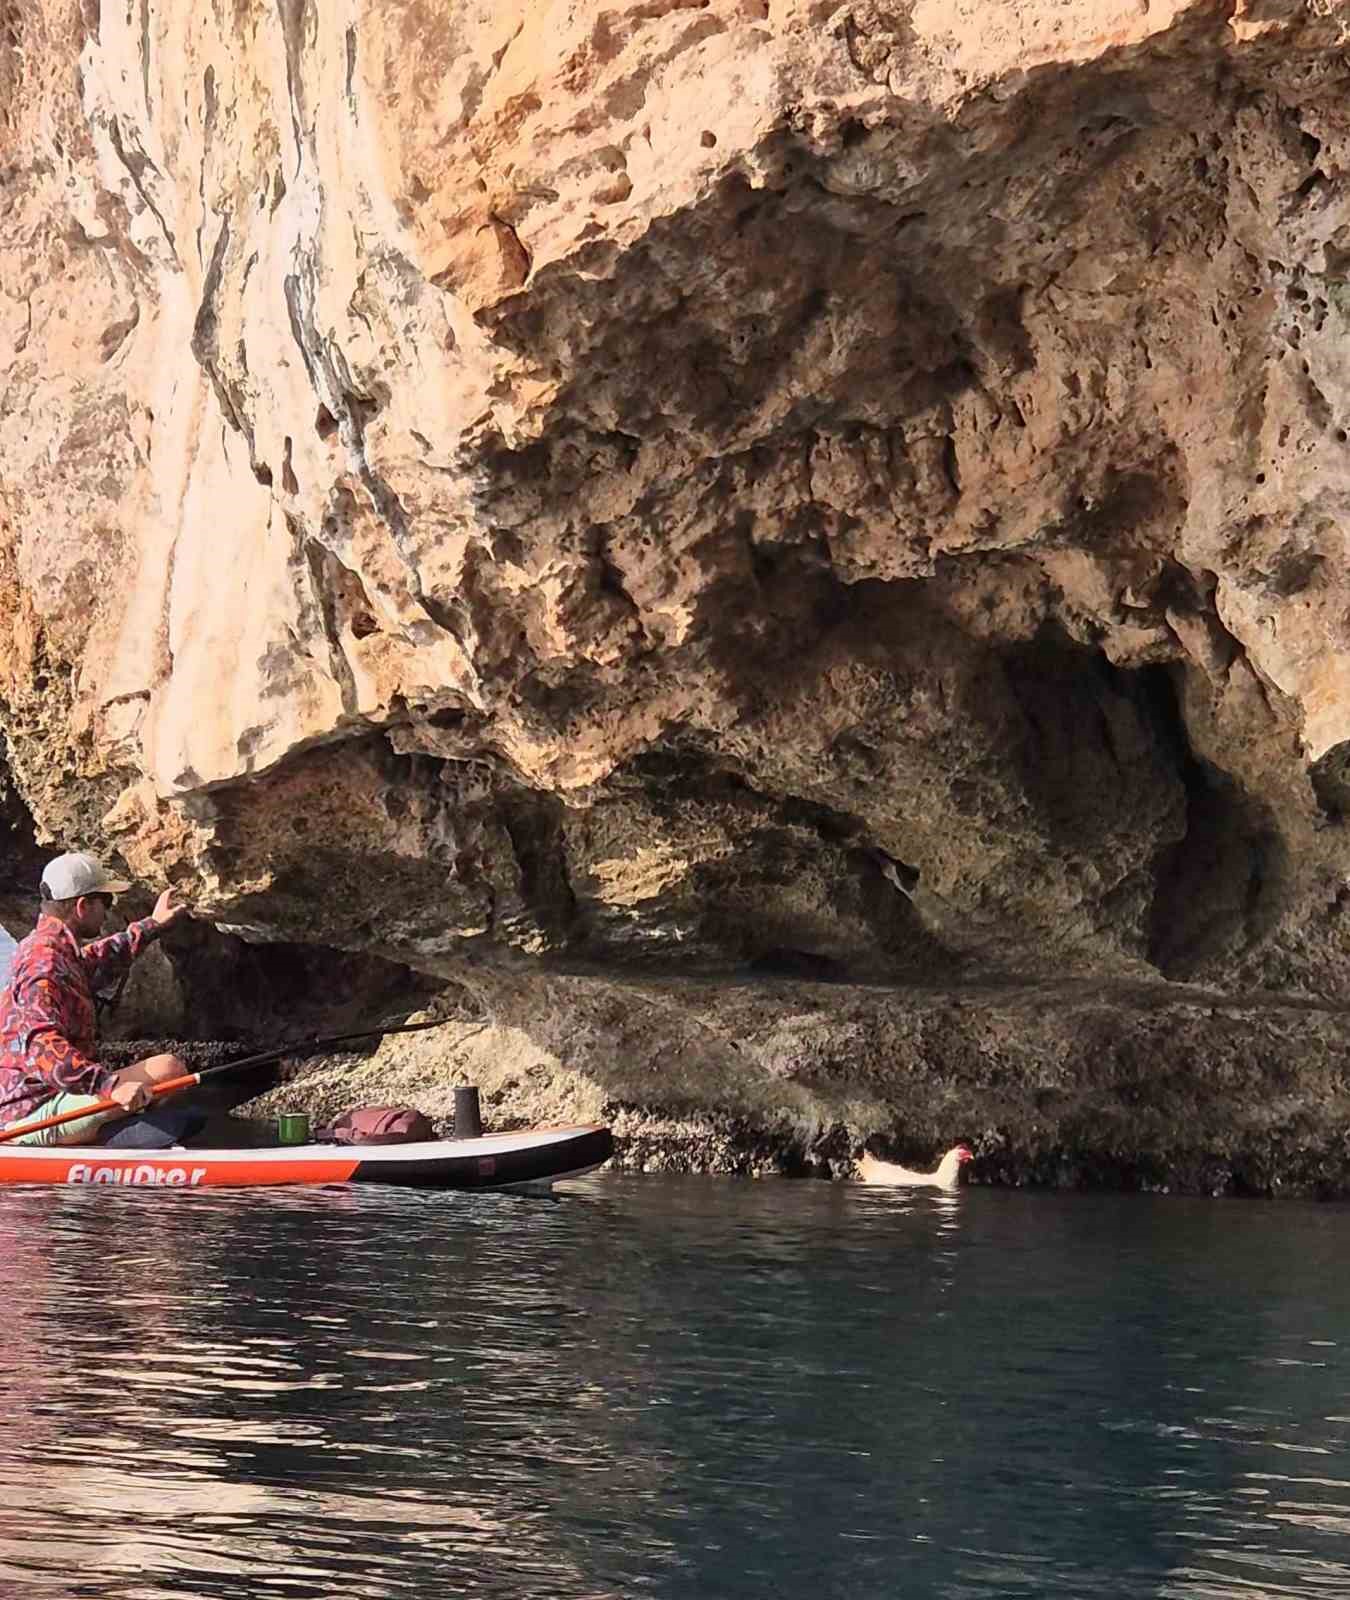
(72, 875)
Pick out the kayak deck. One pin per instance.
(530, 1158)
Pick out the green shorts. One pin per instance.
(79, 1131)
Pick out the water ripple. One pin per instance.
(671, 1388)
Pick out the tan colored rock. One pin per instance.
(741, 481)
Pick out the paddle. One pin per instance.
(189, 1079)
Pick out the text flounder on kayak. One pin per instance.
(82, 1172)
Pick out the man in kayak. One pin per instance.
(48, 1063)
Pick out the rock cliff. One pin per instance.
(836, 491)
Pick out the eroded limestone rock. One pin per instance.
(747, 482)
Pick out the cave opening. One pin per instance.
(1213, 886)
(1106, 752)
(236, 989)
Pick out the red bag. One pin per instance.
(378, 1125)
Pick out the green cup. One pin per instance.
(293, 1128)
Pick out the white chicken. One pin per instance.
(946, 1175)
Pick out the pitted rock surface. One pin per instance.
(852, 491)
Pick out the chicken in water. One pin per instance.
(946, 1175)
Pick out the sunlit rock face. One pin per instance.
(855, 490)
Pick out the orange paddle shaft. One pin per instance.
(172, 1085)
(167, 1087)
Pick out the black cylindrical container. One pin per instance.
(468, 1115)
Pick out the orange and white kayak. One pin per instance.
(531, 1158)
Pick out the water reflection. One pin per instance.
(670, 1388)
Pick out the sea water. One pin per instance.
(672, 1387)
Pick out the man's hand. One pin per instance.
(134, 1096)
(168, 908)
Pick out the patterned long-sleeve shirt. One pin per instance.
(47, 1040)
